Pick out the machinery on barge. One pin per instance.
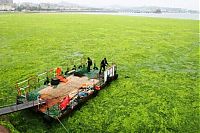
(56, 93)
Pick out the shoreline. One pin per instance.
(187, 16)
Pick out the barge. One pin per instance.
(55, 93)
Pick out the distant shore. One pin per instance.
(191, 16)
(157, 15)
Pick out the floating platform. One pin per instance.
(56, 94)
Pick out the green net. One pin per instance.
(81, 71)
(32, 96)
(92, 74)
(53, 111)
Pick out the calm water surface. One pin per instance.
(162, 15)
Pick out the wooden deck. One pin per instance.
(54, 94)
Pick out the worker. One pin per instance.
(103, 65)
(66, 72)
(95, 66)
(46, 82)
(74, 68)
(89, 63)
(58, 71)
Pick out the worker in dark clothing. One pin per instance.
(46, 82)
(103, 65)
(74, 68)
(95, 66)
(66, 72)
(89, 64)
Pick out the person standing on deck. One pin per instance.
(89, 63)
(103, 65)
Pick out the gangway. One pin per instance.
(17, 107)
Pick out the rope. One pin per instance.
(62, 125)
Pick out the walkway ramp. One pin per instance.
(14, 108)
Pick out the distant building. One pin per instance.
(6, 5)
(6, 2)
(158, 11)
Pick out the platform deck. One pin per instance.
(54, 94)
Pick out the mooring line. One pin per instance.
(62, 125)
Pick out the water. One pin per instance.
(167, 15)
(162, 15)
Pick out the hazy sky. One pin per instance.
(188, 4)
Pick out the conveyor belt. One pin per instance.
(14, 108)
